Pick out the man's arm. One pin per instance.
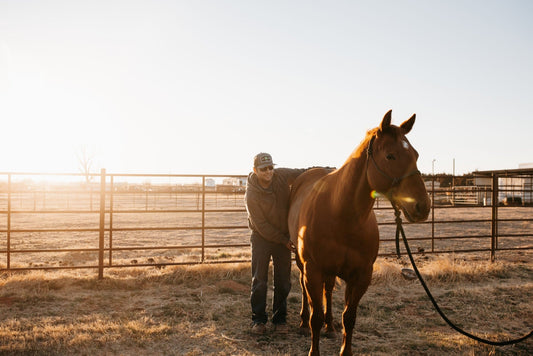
(292, 173)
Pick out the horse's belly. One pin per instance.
(342, 257)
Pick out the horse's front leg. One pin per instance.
(355, 289)
(304, 312)
(328, 292)
(314, 283)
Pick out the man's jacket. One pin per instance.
(268, 209)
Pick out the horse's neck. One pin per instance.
(353, 193)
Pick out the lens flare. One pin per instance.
(406, 199)
(375, 194)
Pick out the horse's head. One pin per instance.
(392, 170)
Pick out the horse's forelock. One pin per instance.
(394, 131)
(391, 130)
(366, 141)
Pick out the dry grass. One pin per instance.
(204, 310)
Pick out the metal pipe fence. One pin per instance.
(101, 221)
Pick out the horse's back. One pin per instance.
(300, 190)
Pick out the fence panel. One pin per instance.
(71, 221)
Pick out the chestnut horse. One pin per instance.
(332, 222)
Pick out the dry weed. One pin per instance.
(204, 310)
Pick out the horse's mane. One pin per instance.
(361, 149)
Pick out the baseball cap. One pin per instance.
(263, 160)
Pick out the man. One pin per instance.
(267, 202)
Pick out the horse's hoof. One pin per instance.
(305, 331)
(330, 333)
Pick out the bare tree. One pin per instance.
(85, 164)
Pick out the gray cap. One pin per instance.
(263, 160)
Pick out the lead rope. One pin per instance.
(399, 229)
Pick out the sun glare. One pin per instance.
(375, 194)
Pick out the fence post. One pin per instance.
(495, 202)
(8, 247)
(102, 226)
(203, 219)
(111, 193)
(433, 213)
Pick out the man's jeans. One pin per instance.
(262, 250)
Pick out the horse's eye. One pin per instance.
(391, 157)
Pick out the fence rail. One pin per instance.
(75, 221)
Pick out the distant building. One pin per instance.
(232, 185)
(239, 182)
(513, 185)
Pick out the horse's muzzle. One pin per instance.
(415, 210)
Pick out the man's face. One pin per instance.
(265, 174)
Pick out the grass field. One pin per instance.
(204, 310)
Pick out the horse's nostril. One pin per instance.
(421, 208)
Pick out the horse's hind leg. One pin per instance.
(304, 312)
(314, 284)
(354, 291)
(329, 284)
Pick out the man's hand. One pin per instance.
(291, 246)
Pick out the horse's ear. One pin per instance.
(407, 125)
(385, 123)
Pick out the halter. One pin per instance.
(399, 230)
(394, 180)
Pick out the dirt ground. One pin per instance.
(204, 310)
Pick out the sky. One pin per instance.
(200, 87)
